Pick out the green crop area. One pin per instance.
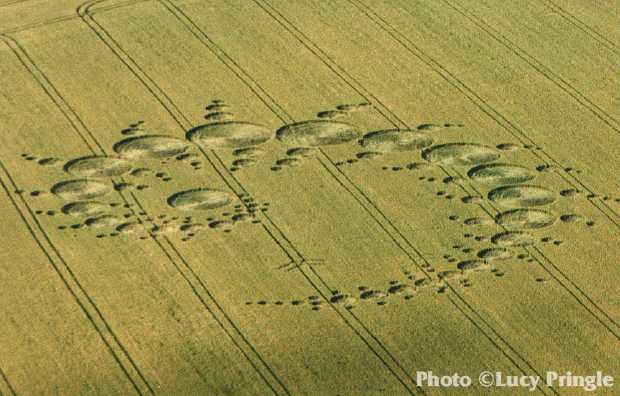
(309, 197)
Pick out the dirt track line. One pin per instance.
(546, 72)
(5, 385)
(573, 20)
(341, 178)
(72, 16)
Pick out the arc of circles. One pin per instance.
(190, 277)
(276, 234)
(384, 110)
(612, 326)
(615, 333)
(387, 111)
(270, 107)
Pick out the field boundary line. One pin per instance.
(545, 71)
(573, 20)
(479, 102)
(64, 18)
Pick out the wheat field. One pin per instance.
(313, 197)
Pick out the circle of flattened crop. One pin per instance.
(150, 146)
(248, 152)
(521, 196)
(199, 199)
(460, 154)
(495, 254)
(513, 238)
(500, 174)
(472, 265)
(525, 219)
(316, 133)
(97, 166)
(84, 208)
(80, 189)
(130, 227)
(389, 140)
(102, 221)
(571, 218)
(229, 135)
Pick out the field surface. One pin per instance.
(318, 197)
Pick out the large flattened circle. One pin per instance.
(80, 189)
(500, 174)
(460, 154)
(199, 199)
(513, 238)
(521, 196)
(229, 135)
(150, 147)
(97, 166)
(390, 140)
(525, 219)
(316, 133)
(85, 208)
